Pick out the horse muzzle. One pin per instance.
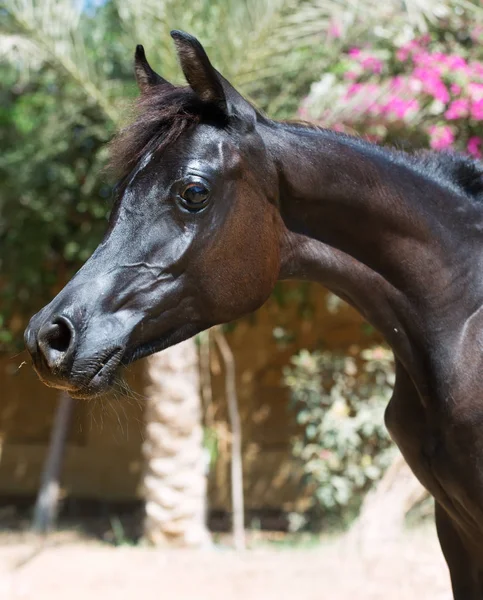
(53, 344)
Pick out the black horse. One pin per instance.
(217, 202)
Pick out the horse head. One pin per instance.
(193, 238)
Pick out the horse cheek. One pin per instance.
(241, 267)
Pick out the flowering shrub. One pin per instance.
(343, 446)
(426, 91)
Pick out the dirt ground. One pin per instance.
(74, 569)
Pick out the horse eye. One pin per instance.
(195, 195)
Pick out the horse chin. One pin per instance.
(100, 382)
(89, 394)
(95, 390)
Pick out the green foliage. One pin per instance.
(210, 444)
(343, 447)
(67, 73)
(55, 122)
(66, 69)
(117, 535)
(53, 203)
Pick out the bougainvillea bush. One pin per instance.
(343, 446)
(420, 92)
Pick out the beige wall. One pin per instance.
(104, 453)
(103, 458)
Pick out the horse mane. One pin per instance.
(465, 172)
(164, 112)
(461, 173)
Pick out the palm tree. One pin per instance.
(175, 465)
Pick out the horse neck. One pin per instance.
(366, 224)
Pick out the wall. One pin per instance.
(104, 461)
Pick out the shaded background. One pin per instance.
(312, 378)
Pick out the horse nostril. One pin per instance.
(60, 337)
(56, 342)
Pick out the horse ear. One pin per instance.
(198, 70)
(145, 76)
(206, 82)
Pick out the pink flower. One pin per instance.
(432, 83)
(477, 68)
(339, 127)
(475, 91)
(439, 91)
(426, 75)
(476, 32)
(378, 353)
(421, 59)
(457, 109)
(408, 49)
(354, 52)
(438, 57)
(371, 63)
(335, 30)
(373, 137)
(397, 83)
(442, 62)
(441, 137)
(474, 146)
(402, 54)
(455, 89)
(351, 75)
(353, 89)
(412, 106)
(455, 62)
(436, 62)
(477, 110)
(399, 107)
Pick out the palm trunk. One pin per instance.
(48, 497)
(175, 476)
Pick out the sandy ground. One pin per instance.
(69, 569)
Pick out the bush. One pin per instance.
(419, 92)
(343, 447)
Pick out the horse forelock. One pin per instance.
(161, 115)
